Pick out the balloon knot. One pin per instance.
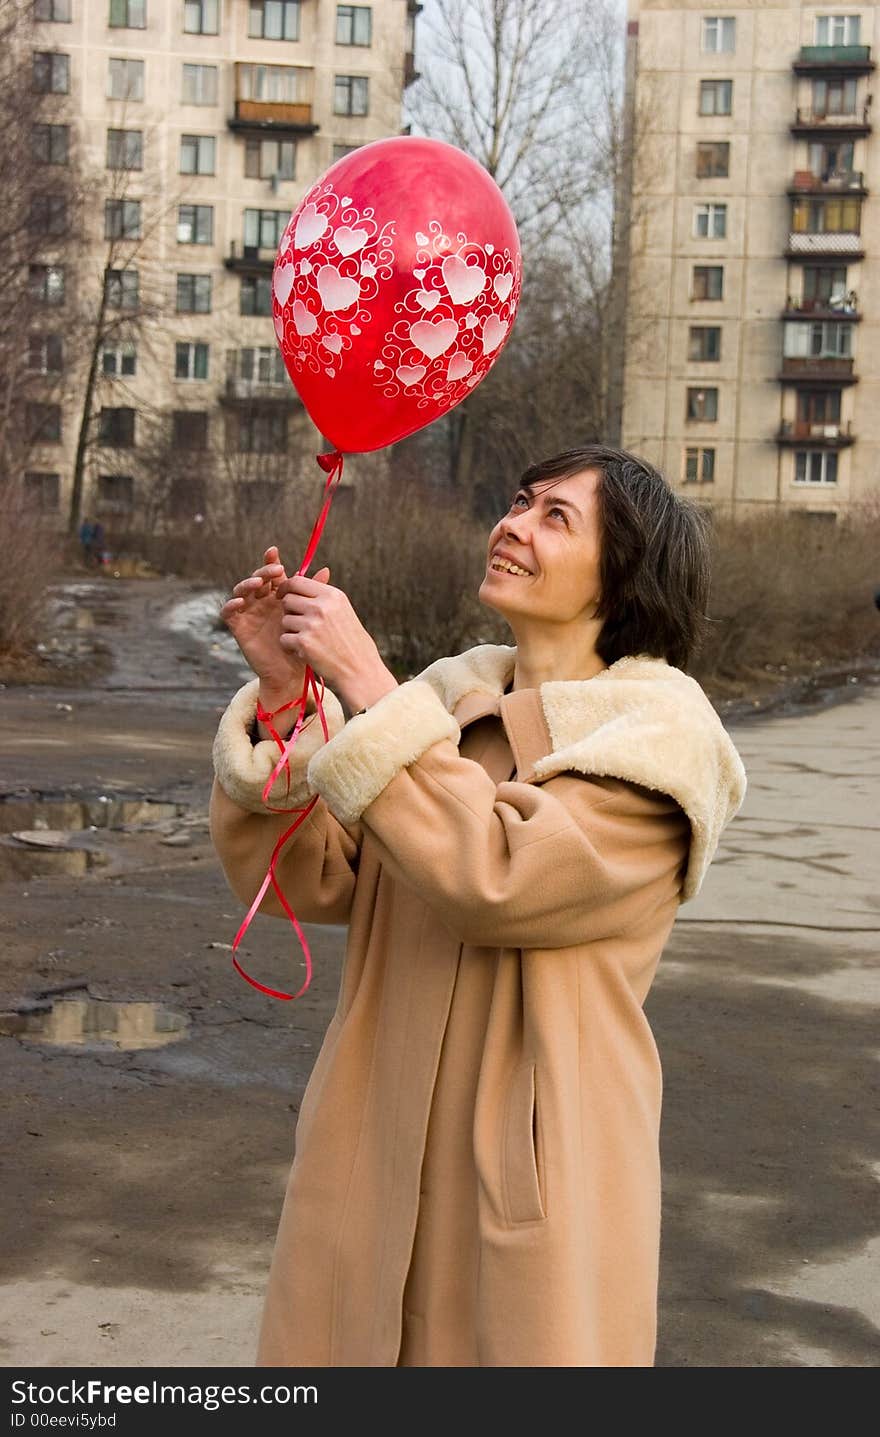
(329, 462)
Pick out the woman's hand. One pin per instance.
(319, 627)
(254, 616)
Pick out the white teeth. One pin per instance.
(512, 568)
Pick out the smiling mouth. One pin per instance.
(504, 566)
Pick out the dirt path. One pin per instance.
(144, 1169)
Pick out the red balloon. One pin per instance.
(395, 288)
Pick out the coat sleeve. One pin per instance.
(317, 868)
(511, 864)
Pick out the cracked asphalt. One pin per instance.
(142, 1185)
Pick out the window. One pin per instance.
(716, 97)
(834, 97)
(46, 283)
(128, 14)
(201, 17)
(275, 84)
(699, 466)
(50, 144)
(818, 408)
(259, 497)
(122, 288)
(199, 85)
(832, 215)
(186, 498)
(263, 365)
(354, 25)
(190, 361)
(340, 151)
(115, 494)
(125, 149)
(824, 339)
(44, 423)
(189, 429)
(265, 158)
(263, 228)
(815, 466)
(125, 80)
(193, 294)
(704, 343)
(824, 286)
(710, 221)
(274, 19)
(713, 159)
(42, 492)
(48, 215)
(838, 29)
(719, 35)
(262, 431)
(708, 281)
(256, 294)
(195, 224)
(831, 159)
(45, 354)
(351, 95)
(122, 219)
(51, 72)
(116, 428)
(702, 405)
(52, 10)
(198, 154)
(119, 360)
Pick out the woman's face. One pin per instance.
(553, 533)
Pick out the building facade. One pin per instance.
(199, 125)
(751, 362)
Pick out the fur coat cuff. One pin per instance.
(357, 764)
(242, 767)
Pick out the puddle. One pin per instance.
(41, 837)
(95, 1024)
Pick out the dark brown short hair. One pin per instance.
(655, 565)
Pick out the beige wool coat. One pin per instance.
(476, 1179)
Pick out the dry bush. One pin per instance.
(789, 589)
(32, 557)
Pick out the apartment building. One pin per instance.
(751, 361)
(203, 123)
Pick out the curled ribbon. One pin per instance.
(332, 464)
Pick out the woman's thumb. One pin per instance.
(323, 575)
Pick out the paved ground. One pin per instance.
(144, 1173)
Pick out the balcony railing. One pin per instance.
(835, 306)
(830, 436)
(805, 182)
(264, 391)
(818, 367)
(830, 242)
(249, 259)
(809, 118)
(855, 59)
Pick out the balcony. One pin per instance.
(248, 259)
(273, 99)
(806, 183)
(813, 371)
(834, 59)
(259, 391)
(829, 244)
(809, 121)
(835, 307)
(796, 432)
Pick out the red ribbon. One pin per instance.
(332, 464)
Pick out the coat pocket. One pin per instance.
(522, 1149)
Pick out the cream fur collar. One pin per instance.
(640, 720)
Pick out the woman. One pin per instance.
(508, 836)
